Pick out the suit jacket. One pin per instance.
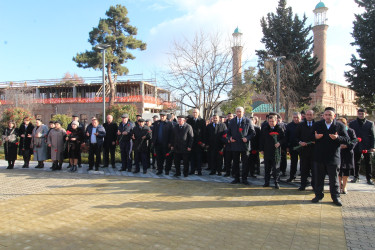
(214, 136)
(365, 132)
(347, 154)
(267, 142)
(225, 137)
(140, 145)
(182, 138)
(303, 134)
(110, 133)
(128, 127)
(99, 138)
(167, 133)
(25, 142)
(290, 134)
(256, 139)
(199, 129)
(326, 150)
(238, 131)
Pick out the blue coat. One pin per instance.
(99, 138)
(238, 131)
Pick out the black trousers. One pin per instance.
(215, 160)
(228, 158)
(126, 155)
(196, 159)
(283, 162)
(26, 154)
(357, 163)
(254, 162)
(293, 163)
(109, 149)
(161, 157)
(177, 162)
(94, 150)
(320, 170)
(141, 157)
(236, 164)
(269, 165)
(306, 162)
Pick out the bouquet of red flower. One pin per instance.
(254, 152)
(169, 153)
(365, 151)
(68, 132)
(17, 143)
(359, 139)
(277, 150)
(221, 152)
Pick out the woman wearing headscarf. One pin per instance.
(38, 143)
(74, 137)
(10, 143)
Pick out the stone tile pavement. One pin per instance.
(41, 209)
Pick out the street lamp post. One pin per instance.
(277, 59)
(103, 47)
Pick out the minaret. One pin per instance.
(237, 57)
(320, 38)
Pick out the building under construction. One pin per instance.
(83, 96)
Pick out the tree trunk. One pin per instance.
(112, 90)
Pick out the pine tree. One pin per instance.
(285, 34)
(116, 31)
(362, 75)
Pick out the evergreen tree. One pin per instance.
(116, 32)
(362, 75)
(285, 34)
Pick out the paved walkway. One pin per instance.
(41, 209)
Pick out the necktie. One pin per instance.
(214, 125)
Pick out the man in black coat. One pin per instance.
(303, 138)
(199, 128)
(141, 134)
(364, 129)
(290, 135)
(109, 146)
(126, 144)
(328, 135)
(254, 160)
(271, 140)
(182, 138)
(95, 134)
(162, 139)
(214, 142)
(240, 132)
(283, 163)
(227, 151)
(25, 131)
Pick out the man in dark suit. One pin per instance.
(182, 144)
(162, 139)
(303, 138)
(364, 129)
(290, 135)
(199, 128)
(270, 146)
(109, 146)
(227, 150)
(95, 134)
(140, 135)
(214, 142)
(328, 135)
(283, 163)
(254, 161)
(240, 132)
(126, 144)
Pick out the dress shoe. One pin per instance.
(192, 172)
(283, 174)
(9, 167)
(39, 166)
(186, 175)
(200, 173)
(159, 172)
(355, 179)
(96, 168)
(277, 186)
(166, 172)
(219, 173)
(290, 179)
(90, 168)
(105, 166)
(235, 181)
(266, 185)
(301, 188)
(212, 173)
(253, 175)
(227, 174)
(177, 175)
(370, 182)
(113, 166)
(245, 182)
(129, 170)
(122, 169)
(337, 202)
(145, 172)
(316, 199)
(136, 172)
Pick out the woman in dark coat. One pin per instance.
(25, 133)
(74, 137)
(347, 157)
(10, 143)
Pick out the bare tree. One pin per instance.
(200, 70)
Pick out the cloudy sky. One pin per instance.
(39, 38)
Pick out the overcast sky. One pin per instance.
(38, 39)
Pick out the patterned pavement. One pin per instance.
(42, 209)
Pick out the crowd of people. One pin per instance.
(329, 146)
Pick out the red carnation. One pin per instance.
(154, 155)
(199, 143)
(17, 143)
(55, 150)
(149, 131)
(167, 154)
(128, 125)
(359, 139)
(274, 133)
(23, 149)
(68, 132)
(364, 151)
(224, 135)
(221, 152)
(253, 152)
(240, 129)
(117, 142)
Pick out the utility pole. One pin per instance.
(277, 59)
